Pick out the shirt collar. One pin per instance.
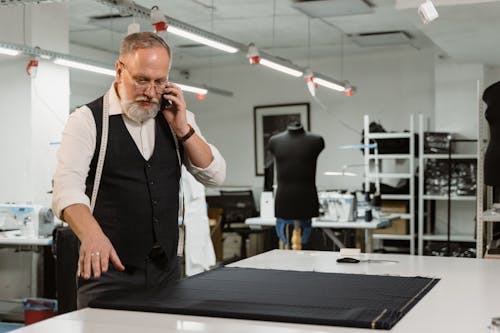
(115, 106)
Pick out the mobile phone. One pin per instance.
(164, 102)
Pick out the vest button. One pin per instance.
(155, 220)
(148, 165)
(151, 183)
(155, 202)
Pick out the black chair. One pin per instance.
(237, 207)
(65, 247)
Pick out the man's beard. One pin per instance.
(134, 111)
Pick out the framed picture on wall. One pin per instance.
(269, 120)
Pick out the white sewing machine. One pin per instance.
(337, 206)
(31, 220)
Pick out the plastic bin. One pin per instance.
(37, 309)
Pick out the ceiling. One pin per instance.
(466, 31)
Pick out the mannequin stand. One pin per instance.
(296, 236)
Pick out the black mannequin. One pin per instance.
(295, 152)
(269, 176)
(491, 97)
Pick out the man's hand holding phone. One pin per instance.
(173, 107)
(165, 103)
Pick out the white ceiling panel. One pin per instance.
(466, 30)
(329, 8)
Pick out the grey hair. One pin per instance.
(143, 40)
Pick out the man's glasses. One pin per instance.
(143, 84)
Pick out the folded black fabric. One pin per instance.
(352, 300)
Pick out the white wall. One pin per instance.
(491, 75)
(49, 111)
(87, 86)
(33, 110)
(390, 86)
(457, 97)
(15, 104)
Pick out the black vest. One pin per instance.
(138, 200)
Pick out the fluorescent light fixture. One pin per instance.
(281, 68)
(9, 51)
(85, 67)
(344, 172)
(340, 173)
(328, 84)
(202, 40)
(195, 34)
(192, 89)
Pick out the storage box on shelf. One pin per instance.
(408, 155)
(439, 164)
(399, 226)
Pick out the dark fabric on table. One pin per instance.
(353, 300)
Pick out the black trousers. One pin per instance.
(157, 271)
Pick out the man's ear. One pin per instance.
(119, 71)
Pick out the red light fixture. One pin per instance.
(311, 85)
(253, 54)
(158, 20)
(349, 89)
(32, 67)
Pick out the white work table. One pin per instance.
(463, 301)
(325, 224)
(16, 238)
(317, 222)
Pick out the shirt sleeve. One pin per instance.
(215, 173)
(73, 160)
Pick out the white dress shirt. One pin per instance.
(78, 146)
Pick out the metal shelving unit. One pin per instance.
(410, 216)
(453, 197)
(423, 197)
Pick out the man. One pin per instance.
(130, 238)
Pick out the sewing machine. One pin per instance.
(25, 256)
(336, 206)
(32, 220)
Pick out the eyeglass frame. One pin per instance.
(146, 84)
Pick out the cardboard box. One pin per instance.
(399, 226)
(215, 217)
(491, 256)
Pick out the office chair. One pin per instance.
(66, 251)
(238, 206)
